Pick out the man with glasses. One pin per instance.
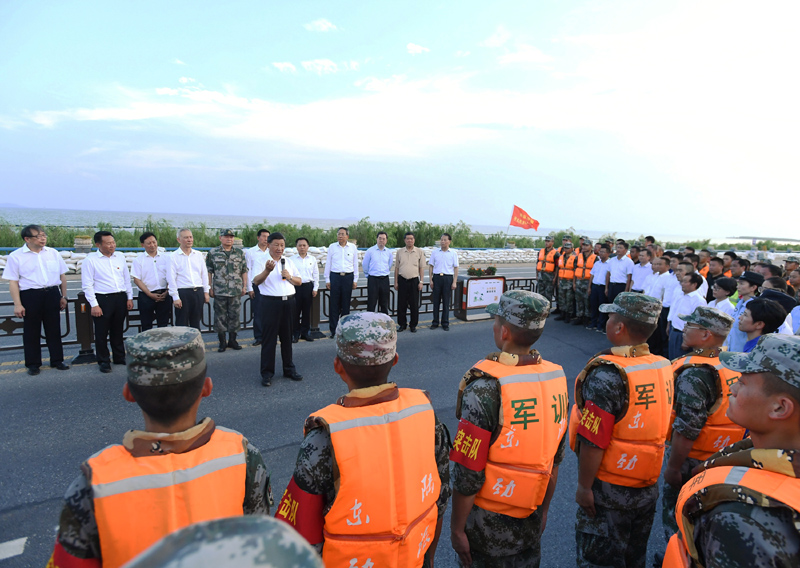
(37, 282)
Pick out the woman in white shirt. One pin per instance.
(722, 290)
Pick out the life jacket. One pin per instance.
(385, 508)
(547, 261)
(138, 501)
(635, 453)
(704, 271)
(719, 430)
(566, 267)
(584, 266)
(717, 485)
(534, 408)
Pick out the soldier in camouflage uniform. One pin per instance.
(582, 286)
(566, 291)
(166, 378)
(233, 542)
(697, 390)
(546, 280)
(227, 276)
(485, 538)
(747, 513)
(366, 341)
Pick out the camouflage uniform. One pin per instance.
(566, 295)
(157, 357)
(234, 542)
(582, 287)
(227, 269)
(546, 280)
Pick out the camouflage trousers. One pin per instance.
(545, 286)
(566, 297)
(582, 298)
(526, 559)
(669, 496)
(614, 538)
(226, 313)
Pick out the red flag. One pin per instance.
(521, 219)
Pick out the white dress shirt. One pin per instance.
(341, 259)
(725, 306)
(443, 262)
(671, 288)
(307, 269)
(684, 306)
(275, 285)
(640, 274)
(101, 274)
(35, 269)
(619, 269)
(152, 270)
(186, 271)
(599, 271)
(657, 285)
(255, 258)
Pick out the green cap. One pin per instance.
(776, 354)
(632, 305)
(521, 308)
(549, 238)
(715, 321)
(792, 259)
(165, 356)
(227, 233)
(587, 241)
(234, 542)
(366, 338)
(566, 238)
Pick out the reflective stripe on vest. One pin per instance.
(635, 453)
(719, 430)
(547, 261)
(535, 405)
(700, 489)
(583, 272)
(138, 501)
(385, 508)
(566, 269)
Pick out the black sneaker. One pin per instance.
(401, 328)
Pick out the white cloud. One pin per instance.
(524, 54)
(185, 80)
(284, 66)
(321, 66)
(460, 53)
(497, 39)
(321, 25)
(179, 62)
(415, 49)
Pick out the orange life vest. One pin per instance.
(635, 453)
(547, 261)
(535, 405)
(681, 550)
(719, 430)
(704, 271)
(584, 266)
(138, 501)
(385, 509)
(566, 267)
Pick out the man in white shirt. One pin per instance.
(641, 272)
(620, 272)
(443, 274)
(256, 258)
(682, 306)
(107, 285)
(341, 276)
(308, 270)
(598, 292)
(187, 280)
(376, 265)
(38, 287)
(277, 286)
(149, 272)
(656, 288)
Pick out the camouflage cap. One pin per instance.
(524, 309)
(165, 356)
(792, 259)
(632, 305)
(566, 238)
(584, 237)
(567, 244)
(366, 338)
(776, 354)
(227, 233)
(549, 238)
(715, 321)
(234, 542)
(587, 241)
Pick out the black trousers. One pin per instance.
(191, 313)
(614, 290)
(407, 297)
(442, 294)
(109, 327)
(658, 341)
(150, 310)
(598, 296)
(378, 292)
(341, 292)
(42, 308)
(302, 308)
(276, 316)
(256, 307)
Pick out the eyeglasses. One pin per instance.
(38, 236)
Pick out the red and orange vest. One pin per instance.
(583, 267)
(547, 261)
(566, 267)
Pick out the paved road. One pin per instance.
(54, 421)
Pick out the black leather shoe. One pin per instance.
(446, 327)
(266, 381)
(61, 366)
(306, 338)
(233, 344)
(256, 342)
(401, 328)
(33, 371)
(434, 325)
(413, 330)
(295, 339)
(105, 367)
(294, 375)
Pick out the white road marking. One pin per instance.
(12, 548)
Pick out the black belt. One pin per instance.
(281, 298)
(158, 291)
(442, 274)
(195, 289)
(371, 276)
(45, 289)
(111, 294)
(343, 273)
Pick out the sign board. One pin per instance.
(484, 291)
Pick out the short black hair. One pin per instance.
(679, 256)
(693, 258)
(708, 252)
(382, 233)
(28, 229)
(777, 283)
(696, 279)
(650, 238)
(146, 235)
(520, 336)
(636, 248)
(409, 233)
(687, 263)
(368, 375)
(730, 254)
(168, 403)
(646, 251)
(345, 229)
(639, 331)
(260, 231)
(298, 239)
(772, 386)
(606, 248)
(275, 236)
(743, 262)
(716, 259)
(768, 311)
(98, 236)
(774, 269)
(449, 238)
(689, 247)
(727, 284)
(668, 254)
(623, 243)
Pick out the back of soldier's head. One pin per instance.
(523, 313)
(637, 312)
(366, 345)
(166, 371)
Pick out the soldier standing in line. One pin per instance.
(227, 277)
(583, 266)
(508, 449)
(566, 282)
(546, 269)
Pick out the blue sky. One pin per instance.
(613, 115)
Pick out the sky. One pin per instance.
(649, 117)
